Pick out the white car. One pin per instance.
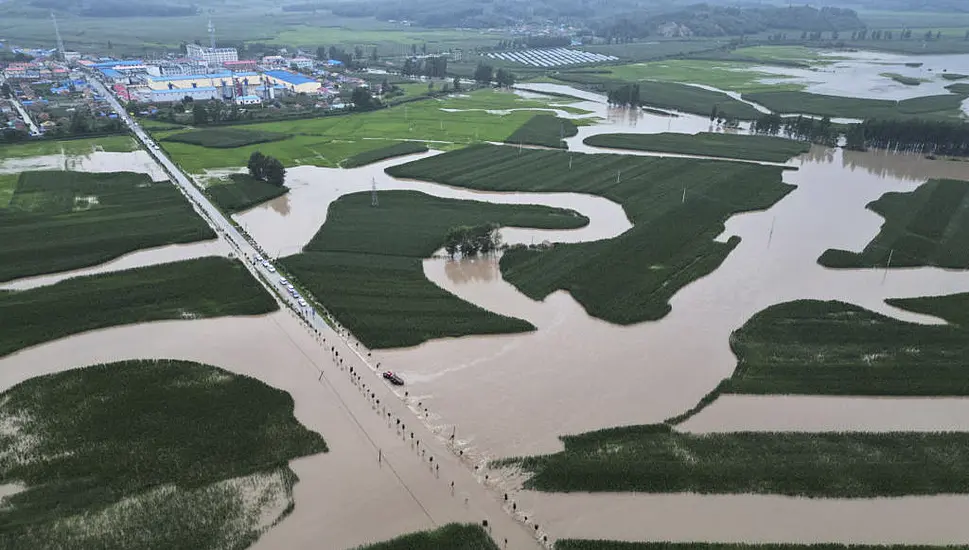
(258, 258)
(302, 302)
(290, 287)
(271, 269)
(265, 263)
(283, 281)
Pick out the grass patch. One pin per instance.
(630, 278)
(655, 459)
(544, 130)
(8, 185)
(71, 147)
(763, 148)
(452, 536)
(902, 79)
(391, 151)
(57, 221)
(936, 107)
(833, 348)
(143, 454)
(954, 76)
(243, 192)
(927, 227)
(364, 265)
(192, 289)
(225, 138)
(579, 544)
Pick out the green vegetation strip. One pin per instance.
(396, 150)
(544, 130)
(762, 148)
(655, 459)
(630, 278)
(927, 227)
(225, 138)
(902, 79)
(452, 536)
(365, 265)
(58, 221)
(833, 348)
(578, 544)
(147, 454)
(243, 192)
(936, 107)
(192, 289)
(954, 76)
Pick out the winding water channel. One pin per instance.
(515, 394)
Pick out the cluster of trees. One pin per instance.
(486, 74)
(626, 95)
(934, 138)
(800, 128)
(363, 100)
(13, 135)
(213, 111)
(435, 67)
(534, 42)
(472, 240)
(265, 168)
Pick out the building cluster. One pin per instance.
(206, 73)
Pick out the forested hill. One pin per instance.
(117, 8)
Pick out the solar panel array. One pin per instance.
(555, 57)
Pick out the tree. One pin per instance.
(373, 55)
(5, 90)
(358, 52)
(199, 114)
(457, 83)
(713, 113)
(483, 73)
(362, 100)
(274, 172)
(506, 79)
(413, 49)
(256, 165)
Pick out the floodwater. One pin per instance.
(637, 374)
(344, 498)
(284, 225)
(135, 161)
(141, 258)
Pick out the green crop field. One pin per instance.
(57, 221)
(364, 265)
(578, 544)
(737, 146)
(452, 536)
(936, 107)
(391, 151)
(242, 192)
(726, 75)
(630, 278)
(147, 454)
(902, 79)
(8, 185)
(192, 289)
(927, 227)
(961, 88)
(544, 130)
(656, 459)
(670, 95)
(225, 138)
(70, 147)
(833, 348)
(328, 141)
(656, 49)
(954, 76)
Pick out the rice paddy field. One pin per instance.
(241, 191)
(111, 144)
(832, 348)
(192, 289)
(452, 536)
(937, 107)
(225, 138)
(86, 219)
(630, 278)
(328, 141)
(145, 454)
(544, 130)
(364, 265)
(736, 146)
(927, 227)
(391, 151)
(656, 459)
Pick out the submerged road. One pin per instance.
(424, 488)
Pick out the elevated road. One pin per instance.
(467, 499)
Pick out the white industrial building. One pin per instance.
(212, 56)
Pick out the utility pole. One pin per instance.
(373, 193)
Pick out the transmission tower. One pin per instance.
(211, 34)
(373, 193)
(60, 42)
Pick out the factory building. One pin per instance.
(212, 56)
(292, 82)
(226, 85)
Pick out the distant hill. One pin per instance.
(117, 8)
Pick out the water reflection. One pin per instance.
(465, 270)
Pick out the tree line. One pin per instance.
(922, 136)
(472, 240)
(486, 74)
(434, 67)
(799, 128)
(533, 42)
(265, 168)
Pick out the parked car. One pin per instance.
(283, 281)
(302, 302)
(257, 259)
(271, 269)
(393, 378)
